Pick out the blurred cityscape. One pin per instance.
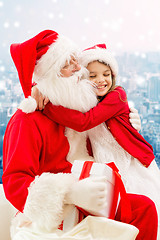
(139, 74)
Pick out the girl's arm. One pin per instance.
(114, 104)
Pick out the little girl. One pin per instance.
(120, 142)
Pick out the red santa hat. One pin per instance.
(100, 53)
(40, 53)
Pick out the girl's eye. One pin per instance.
(93, 76)
(106, 75)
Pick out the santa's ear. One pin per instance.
(28, 105)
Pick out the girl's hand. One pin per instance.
(134, 119)
(40, 99)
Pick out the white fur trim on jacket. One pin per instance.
(100, 54)
(45, 202)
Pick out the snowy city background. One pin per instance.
(130, 29)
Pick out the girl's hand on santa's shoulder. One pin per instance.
(40, 99)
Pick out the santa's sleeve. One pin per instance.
(41, 198)
(112, 105)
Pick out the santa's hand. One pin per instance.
(135, 119)
(40, 99)
(89, 194)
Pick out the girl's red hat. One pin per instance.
(100, 53)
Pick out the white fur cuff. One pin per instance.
(45, 201)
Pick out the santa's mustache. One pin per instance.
(83, 73)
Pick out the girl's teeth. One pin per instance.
(102, 86)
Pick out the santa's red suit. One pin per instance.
(37, 175)
(33, 146)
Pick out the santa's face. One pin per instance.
(101, 75)
(70, 68)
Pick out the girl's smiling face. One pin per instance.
(101, 75)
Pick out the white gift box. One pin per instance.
(99, 169)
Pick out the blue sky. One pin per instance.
(124, 25)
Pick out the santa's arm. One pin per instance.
(41, 198)
(111, 106)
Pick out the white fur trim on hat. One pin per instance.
(56, 56)
(45, 202)
(99, 54)
(28, 105)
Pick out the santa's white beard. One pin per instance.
(70, 92)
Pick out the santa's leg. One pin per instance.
(144, 216)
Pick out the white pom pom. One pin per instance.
(28, 105)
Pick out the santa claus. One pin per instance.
(38, 154)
